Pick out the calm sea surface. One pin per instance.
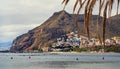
(58, 61)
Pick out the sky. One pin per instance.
(19, 16)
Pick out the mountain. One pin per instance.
(114, 25)
(5, 45)
(60, 23)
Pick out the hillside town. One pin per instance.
(72, 40)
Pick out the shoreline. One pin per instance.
(92, 52)
(83, 53)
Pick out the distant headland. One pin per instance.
(45, 37)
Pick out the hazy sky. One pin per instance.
(19, 16)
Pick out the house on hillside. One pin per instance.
(97, 42)
(84, 42)
(66, 42)
(109, 42)
(117, 39)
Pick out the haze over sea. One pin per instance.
(58, 61)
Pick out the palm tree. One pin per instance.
(105, 8)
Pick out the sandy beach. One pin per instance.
(83, 53)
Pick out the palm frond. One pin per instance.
(76, 3)
(118, 1)
(105, 7)
(65, 2)
(104, 21)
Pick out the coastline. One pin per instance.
(73, 52)
(83, 53)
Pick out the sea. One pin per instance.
(59, 61)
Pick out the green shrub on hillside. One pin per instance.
(113, 48)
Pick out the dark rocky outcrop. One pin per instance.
(58, 24)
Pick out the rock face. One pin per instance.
(58, 24)
(114, 25)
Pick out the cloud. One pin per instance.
(9, 32)
(19, 16)
(12, 10)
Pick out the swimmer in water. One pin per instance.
(77, 59)
(11, 58)
(103, 58)
(29, 57)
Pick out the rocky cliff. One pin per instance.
(41, 37)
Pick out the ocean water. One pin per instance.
(58, 61)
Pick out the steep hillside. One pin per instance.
(58, 24)
(114, 25)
